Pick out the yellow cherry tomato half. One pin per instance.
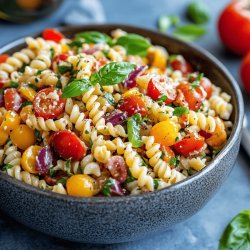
(23, 136)
(80, 185)
(165, 133)
(3, 137)
(11, 120)
(28, 160)
(27, 110)
(27, 92)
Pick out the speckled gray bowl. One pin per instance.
(119, 219)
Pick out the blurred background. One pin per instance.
(20, 18)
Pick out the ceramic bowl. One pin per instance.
(121, 219)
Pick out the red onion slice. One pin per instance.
(130, 82)
(116, 117)
(1, 100)
(116, 189)
(92, 50)
(44, 159)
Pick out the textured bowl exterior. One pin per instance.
(120, 219)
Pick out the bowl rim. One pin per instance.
(236, 131)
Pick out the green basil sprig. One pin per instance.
(165, 22)
(134, 44)
(198, 12)
(178, 111)
(237, 233)
(94, 37)
(189, 32)
(133, 126)
(112, 73)
(76, 88)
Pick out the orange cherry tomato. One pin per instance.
(158, 88)
(12, 99)
(68, 145)
(182, 65)
(48, 103)
(234, 26)
(3, 58)
(80, 185)
(10, 122)
(28, 160)
(165, 133)
(189, 145)
(53, 35)
(133, 104)
(193, 96)
(245, 72)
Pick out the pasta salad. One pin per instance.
(100, 115)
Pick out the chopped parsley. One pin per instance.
(106, 189)
(156, 183)
(32, 86)
(52, 53)
(177, 138)
(64, 68)
(68, 166)
(63, 180)
(162, 98)
(7, 166)
(38, 135)
(26, 103)
(14, 84)
(51, 171)
(39, 72)
(109, 98)
(163, 154)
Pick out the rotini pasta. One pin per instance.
(88, 118)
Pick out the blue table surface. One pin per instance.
(203, 230)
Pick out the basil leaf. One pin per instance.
(237, 233)
(133, 125)
(76, 43)
(198, 12)
(7, 166)
(112, 73)
(14, 84)
(156, 183)
(134, 44)
(26, 103)
(180, 111)
(94, 37)
(64, 68)
(109, 97)
(76, 88)
(162, 98)
(172, 161)
(38, 135)
(165, 22)
(106, 189)
(189, 32)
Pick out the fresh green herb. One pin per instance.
(134, 44)
(64, 68)
(215, 152)
(63, 180)
(165, 22)
(144, 161)
(39, 72)
(198, 12)
(163, 154)
(32, 86)
(172, 161)
(195, 83)
(106, 190)
(38, 135)
(133, 125)
(14, 84)
(237, 233)
(68, 166)
(128, 180)
(2, 90)
(189, 32)
(7, 166)
(26, 103)
(112, 73)
(59, 83)
(22, 69)
(76, 88)
(52, 53)
(51, 171)
(94, 37)
(86, 132)
(178, 111)
(156, 183)
(109, 98)
(162, 98)
(77, 43)
(177, 138)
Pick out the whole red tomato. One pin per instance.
(245, 72)
(234, 26)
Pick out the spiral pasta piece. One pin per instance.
(59, 188)
(26, 177)
(205, 123)
(137, 169)
(1, 156)
(42, 61)
(88, 166)
(11, 155)
(221, 107)
(41, 124)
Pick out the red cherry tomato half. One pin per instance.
(245, 72)
(48, 103)
(68, 146)
(181, 65)
(117, 167)
(3, 58)
(133, 104)
(189, 145)
(12, 99)
(53, 35)
(193, 96)
(205, 134)
(234, 26)
(158, 88)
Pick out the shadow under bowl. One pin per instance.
(121, 219)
